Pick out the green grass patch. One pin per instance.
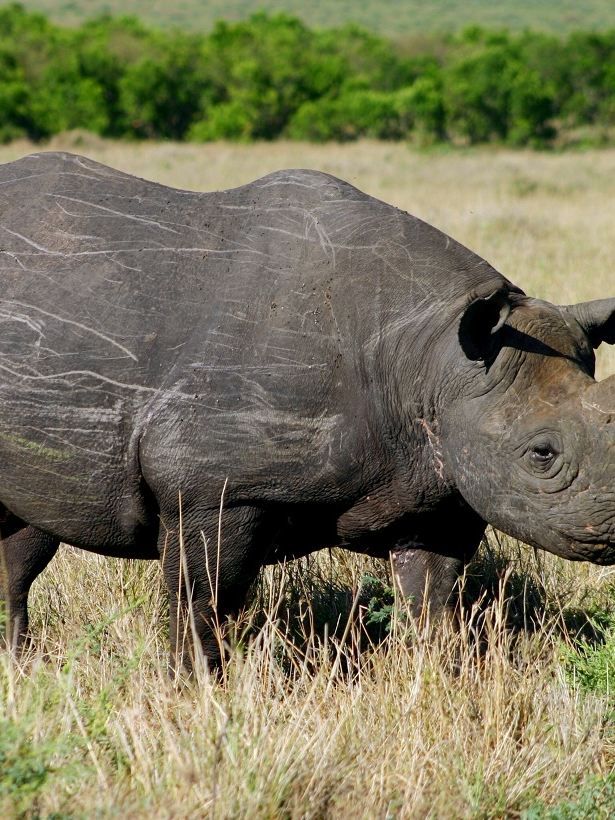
(595, 801)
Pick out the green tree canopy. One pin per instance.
(273, 76)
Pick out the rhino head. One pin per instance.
(531, 447)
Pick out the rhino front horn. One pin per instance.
(597, 319)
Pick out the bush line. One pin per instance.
(272, 76)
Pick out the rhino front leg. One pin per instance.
(24, 554)
(428, 579)
(208, 569)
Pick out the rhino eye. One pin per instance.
(542, 456)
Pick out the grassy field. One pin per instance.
(392, 17)
(513, 716)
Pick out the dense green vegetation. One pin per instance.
(391, 17)
(273, 76)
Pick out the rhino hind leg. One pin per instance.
(208, 568)
(24, 553)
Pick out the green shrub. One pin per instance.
(421, 108)
(492, 94)
(476, 98)
(162, 93)
(591, 665)
(226, 121)
(595, 799)
(25, 768)
(106, 49)
(360, 113)
(14, 98)
(64, 100)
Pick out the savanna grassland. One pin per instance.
(334, 704)
(392, 17)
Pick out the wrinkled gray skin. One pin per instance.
(355, 377)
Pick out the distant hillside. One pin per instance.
(391, 17)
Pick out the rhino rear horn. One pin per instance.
(481, 322)
(597, 319)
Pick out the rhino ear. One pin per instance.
(481, 322)
(597, 319)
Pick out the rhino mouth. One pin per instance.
(593, 550)
(605, 554)
(597, 550)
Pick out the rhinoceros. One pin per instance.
(224, 380)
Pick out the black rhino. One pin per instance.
(338, 370)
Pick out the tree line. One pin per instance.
(272, 76)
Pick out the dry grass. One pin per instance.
(483, 723)
(512, 716)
